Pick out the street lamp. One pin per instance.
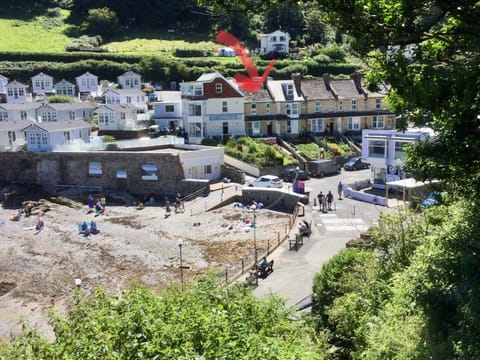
(180, 243)
(254, 208)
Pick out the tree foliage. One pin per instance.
(204, 322)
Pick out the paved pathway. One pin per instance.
(294, 271)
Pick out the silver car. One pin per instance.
(269, 181)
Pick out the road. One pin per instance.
(294, 271)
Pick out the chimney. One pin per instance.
(357, 80)
(297, 81)
(328, 86)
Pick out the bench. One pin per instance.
(295, 243)
(263, 272)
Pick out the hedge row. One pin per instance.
(159, 69)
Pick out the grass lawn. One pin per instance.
(39, 34)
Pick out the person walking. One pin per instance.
(329, 197)
(340, 190)
(321, 201)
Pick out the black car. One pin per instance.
(290, 175)
(356, 163)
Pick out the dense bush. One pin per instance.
(203, 322)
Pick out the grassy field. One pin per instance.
(38, 34)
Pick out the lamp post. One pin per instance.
(254, 208)
(180, 243)
(295, 184)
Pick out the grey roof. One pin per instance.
(346, 88)
(70, 106)
(316, 89)
(208, 77)
(60, 125)
(22, 106)
(118, 107)
(261, 96)
(14, 125)
(129, 73)
(125, 91)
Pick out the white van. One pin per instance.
(323, 167)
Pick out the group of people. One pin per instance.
(97, 205)
(27, 210)
(325, 201)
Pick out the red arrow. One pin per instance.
(252, 82)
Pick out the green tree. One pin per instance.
(205, 321)
(102, 21)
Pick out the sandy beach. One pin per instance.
(38, 271)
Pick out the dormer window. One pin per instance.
(340, 105)
(330, 106)
(254, 108)
(218, 88)
(289, 89)
(318, 107)
(378, 104)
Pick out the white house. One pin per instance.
(45, 136)
(167, 110)
(42, 83)
(12, 136)
(212, 107)
(226, 52)
(65, 87)
(3, 84)
(205, 162)
(275, 41)
(64, 111)
(384, 150)
(87, 84)
(17, 112)
(116, 117)
(127, 96)
(130, 80)
(16, 92)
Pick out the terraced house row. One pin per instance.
(214, 106)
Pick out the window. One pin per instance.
(194, 110)
(129, 100)
(149, 172)
(318, 107)
(198, 90)
(289, 89)
(331, 106)
(3, 116)
(253, 108)
(317, 125)
(353, 123)
(195, 129)
(71, 115)
(256, 127)
(121, 174)
(267, 108)
(289, 127)
(218, 88)
(376, 148)
(207, 169)
(123, 116)
(23, 115)
(340, 105)
(291, 109)
(378, 122)
(400, 149)
(66, 136)
(354, 104)
(169, 108)
(94, 168)
(48, 116)
(224, 106)
(378, 104)
(225, 128)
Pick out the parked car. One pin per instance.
(324, 167)
(269, 181)
(355, 163)
(291, 174)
